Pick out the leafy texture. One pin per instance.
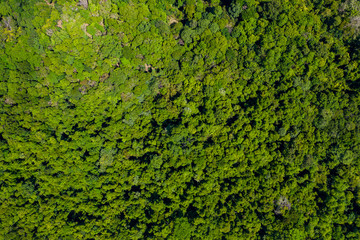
(179, 119)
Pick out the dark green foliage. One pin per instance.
(235, 9)
(179, 119)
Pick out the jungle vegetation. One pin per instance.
(179, 119)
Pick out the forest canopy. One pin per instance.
(179, 119)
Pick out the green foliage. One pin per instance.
(179, 119)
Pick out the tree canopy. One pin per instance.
(179, 119)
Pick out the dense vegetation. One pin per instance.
(179, 119)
